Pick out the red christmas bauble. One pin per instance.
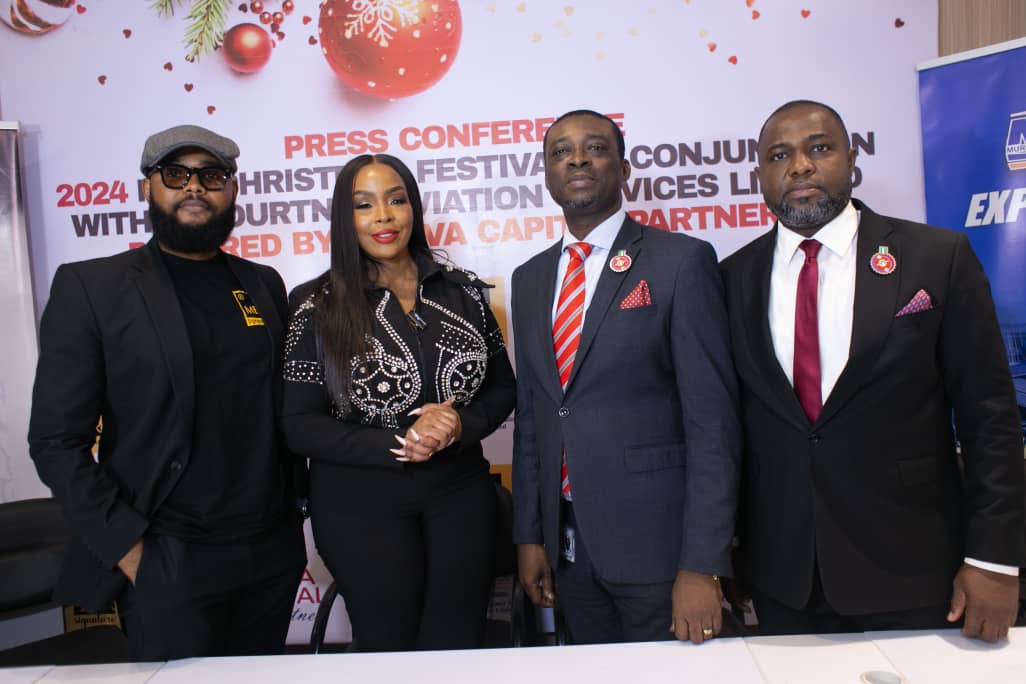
(35, 17)
(390, 48)
(246, 48)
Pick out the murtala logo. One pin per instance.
(1015, 143)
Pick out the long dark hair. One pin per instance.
(343, 307)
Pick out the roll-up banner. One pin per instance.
(18, 478)
(973, 112)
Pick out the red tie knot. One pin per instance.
(811, 248)
(579, 251)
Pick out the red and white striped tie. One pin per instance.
(566, 329)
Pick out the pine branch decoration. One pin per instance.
(165, 8)
(206, 31)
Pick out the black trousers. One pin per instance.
(413, 565)
(192, 599)
(598, 611)
(818, 617)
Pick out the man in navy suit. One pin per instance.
(626, 453)
(856, 338)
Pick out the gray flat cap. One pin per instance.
(160, 145)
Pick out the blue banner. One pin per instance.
(974, 155)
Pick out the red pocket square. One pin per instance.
(920, 302)
(639, 296)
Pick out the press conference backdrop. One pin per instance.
(462, 91)
(974, 154)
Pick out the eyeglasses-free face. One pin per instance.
(177, 176)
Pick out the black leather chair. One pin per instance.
(33, 533)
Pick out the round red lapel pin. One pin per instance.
(621, 262)
(883, 262)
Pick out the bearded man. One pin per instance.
(883, 465)
(184, 517)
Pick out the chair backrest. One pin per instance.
(33, 534)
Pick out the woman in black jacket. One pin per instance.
(395, 371)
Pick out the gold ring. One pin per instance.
(707, 633)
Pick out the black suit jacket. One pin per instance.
(113, 343)
(649, 418)
(873, 492)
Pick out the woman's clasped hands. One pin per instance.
(437, 427)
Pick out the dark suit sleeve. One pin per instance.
(527, 513)
(296, 464)
(276, 286)
(979, 387)
(494, 400)
(67, 401)
(310, 429)
(707, 386)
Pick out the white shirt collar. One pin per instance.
(603, 235)
(837, 235)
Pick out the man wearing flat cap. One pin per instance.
(185, 514)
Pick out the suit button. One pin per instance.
(563, 412)
(175, 465)
(814, 439)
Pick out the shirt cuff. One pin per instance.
(993, 567)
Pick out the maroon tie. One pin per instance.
(807, 378)
(566, 329)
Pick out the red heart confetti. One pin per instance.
(211, 109)
(312, 40)
(712, 47)
(898, 23)
(306, 20)
(102, 79)
(127, 32)
(243, 7)
(732, 59)
(188, 87)
(749, 3)
(80, 9)
(805, 14)
(168, 66)
(755, 14)
(281, 35)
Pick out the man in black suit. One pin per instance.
(638, 401)
(185, 514)
(857, 338)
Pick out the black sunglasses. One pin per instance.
(176, 176)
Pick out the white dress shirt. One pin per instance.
(836, 286)
(836, 261)
(601, 240)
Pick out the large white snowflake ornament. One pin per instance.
(377, 18)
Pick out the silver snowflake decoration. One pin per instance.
(378, 18)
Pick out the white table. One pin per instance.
(921, 657)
